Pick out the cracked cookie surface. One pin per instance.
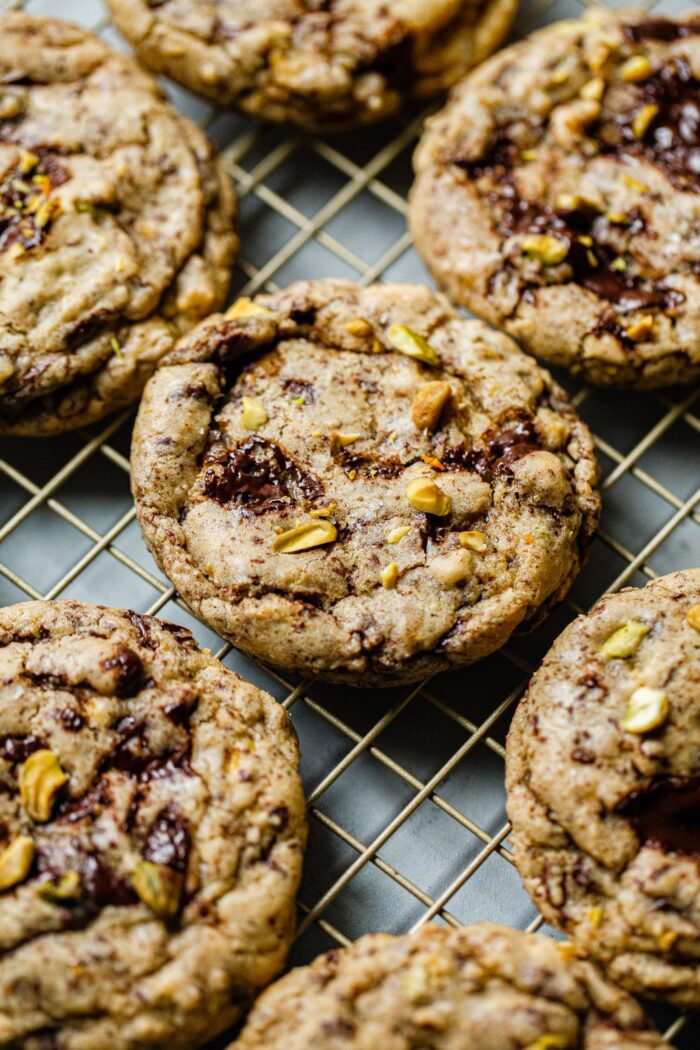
(116, 227)
(480, 987)
(360, 483)
(558, 196)
(318, 63)
(614, 714)
(151, 833)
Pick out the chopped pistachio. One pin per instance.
(428, 403)
(618, 264)
(253, 415)
(116, 348)
(40, 780)
(635, 184)
(693, 617)
(568, 202)
(593, 89)
(425, 495)
(394, 535)
(625, 641)
(27, 162)
(641, 329)
(323, 512)
(474, 540)
(304, 537)
(339, 441)
(410, 343)
(245, 307)
(647, 709)
(636, 68)
(158, 887)
(667, 940)
(643, 119)
(389, 575)
(595, 917)
(617, 218)
(549, 250)
(16, 861)
(66, 888)
(360, 327)
(351, 474)
(549, 1042)
(529, 154)
(585, 240)
(592, 260)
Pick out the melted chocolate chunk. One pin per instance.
(141, 764)
(666, 814)
(168, 841)
(513, 444)
(300, 388)
(660, 29)
(72, 720)
(183, 636)
(259, 476)
(463, 457)
(16, 749)
(90, 805)
(143, 625)
(672, 139)
(179, 712)
(369, 466)
(130, 672)
(500, 155)
(103, 886)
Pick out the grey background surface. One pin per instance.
(405, 788)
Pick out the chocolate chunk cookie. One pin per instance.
(558, 196)
(481, 987)
(360, 483)
(151, 833)
(319, 63)
(604, 786)
(116, 227)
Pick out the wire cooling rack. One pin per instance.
(405, 787)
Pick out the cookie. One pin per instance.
(151, 833)
(361, 484)
(558, 196)
(316, 63)
(477, 987)
(613, 715)
(116, 227)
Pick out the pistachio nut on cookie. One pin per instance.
(360, 483)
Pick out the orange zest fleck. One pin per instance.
(529, 538)
(433, 462)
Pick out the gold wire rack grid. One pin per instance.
(405, 788)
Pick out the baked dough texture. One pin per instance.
(558, 196)
(322, 64)
(443, 499)
(603, 773)
(116, 227)
(481, 987)
(151, 833)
